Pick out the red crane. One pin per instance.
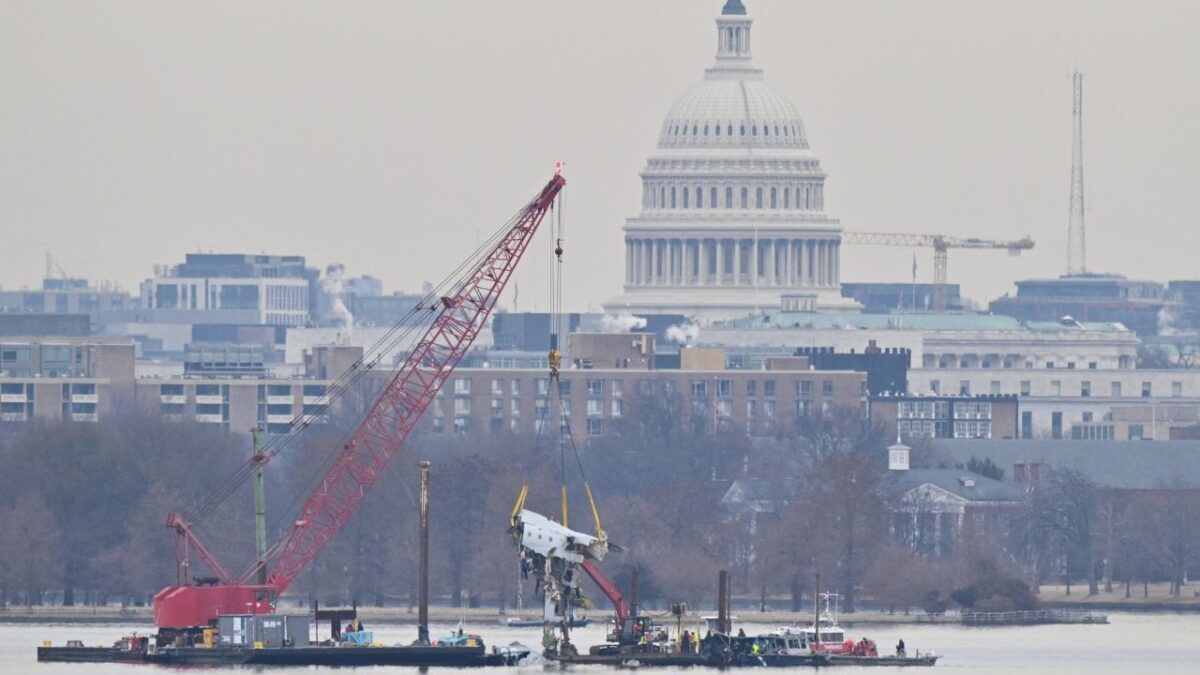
(462, 313)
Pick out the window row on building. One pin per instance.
(41, 360)
(810, 196)
(714, 129)
(1021, 362)
(593, 401)
(1133, 388)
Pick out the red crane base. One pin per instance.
(193, 606)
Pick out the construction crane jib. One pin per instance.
(461, 314)
(941, 245)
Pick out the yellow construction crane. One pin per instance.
(940, 244)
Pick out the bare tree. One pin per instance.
(1065, 507)
(1167, 523)
(30, 548)
(1113, 524)
(839, 431)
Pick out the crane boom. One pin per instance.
(941, 245)
(359, 464)
(932, 241)
(403, 401)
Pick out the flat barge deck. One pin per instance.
(888, 661)
(450, 657)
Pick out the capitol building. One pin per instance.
(733, 217)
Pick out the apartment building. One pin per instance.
(63, 378)
(947, 416)
(1053, 400)
(611, 373)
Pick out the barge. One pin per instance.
(274, 640)
(312, 655)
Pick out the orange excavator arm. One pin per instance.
(610, 590)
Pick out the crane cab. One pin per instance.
(632, 630)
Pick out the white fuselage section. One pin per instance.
(551, 539)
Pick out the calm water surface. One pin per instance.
(1131, 643)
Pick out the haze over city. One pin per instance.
(630, 334)
(376, 135)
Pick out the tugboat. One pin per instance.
(824, 635)
(827, 638)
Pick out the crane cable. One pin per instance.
(419, 316)
(335, 391)
(454, 280)
(555, 356)
(559, 326)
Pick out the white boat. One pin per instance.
(824, 636)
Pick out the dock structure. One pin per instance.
(1032, 618)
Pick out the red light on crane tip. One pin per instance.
(558, 168)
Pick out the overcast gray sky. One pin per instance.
(389, 136)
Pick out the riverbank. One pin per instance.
(1154, 598)
(1151, 598)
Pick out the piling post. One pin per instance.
(723, 626)
(817, 611)
(633, 592)
(260, 507)
(423, 571)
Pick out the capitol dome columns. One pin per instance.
(774, 261)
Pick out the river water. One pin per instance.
(1131, 643)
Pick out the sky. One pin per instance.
(393, 136)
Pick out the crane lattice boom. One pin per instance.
(932, 241)
(359, 464)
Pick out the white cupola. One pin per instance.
(898, 456)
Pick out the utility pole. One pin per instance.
(260, 507)
(423, 564)
(1076, 225)
(817, 610)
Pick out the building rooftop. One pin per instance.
(1129, 465)
(960, 482)
(917, 321)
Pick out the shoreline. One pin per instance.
(143, 616)
(1050, 597)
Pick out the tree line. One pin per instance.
(83, 510)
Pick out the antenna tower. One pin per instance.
(1076, 230)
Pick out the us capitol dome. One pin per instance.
(733, 215)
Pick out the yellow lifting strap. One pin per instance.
(595, 513)
(564, 506)
(520, 503)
